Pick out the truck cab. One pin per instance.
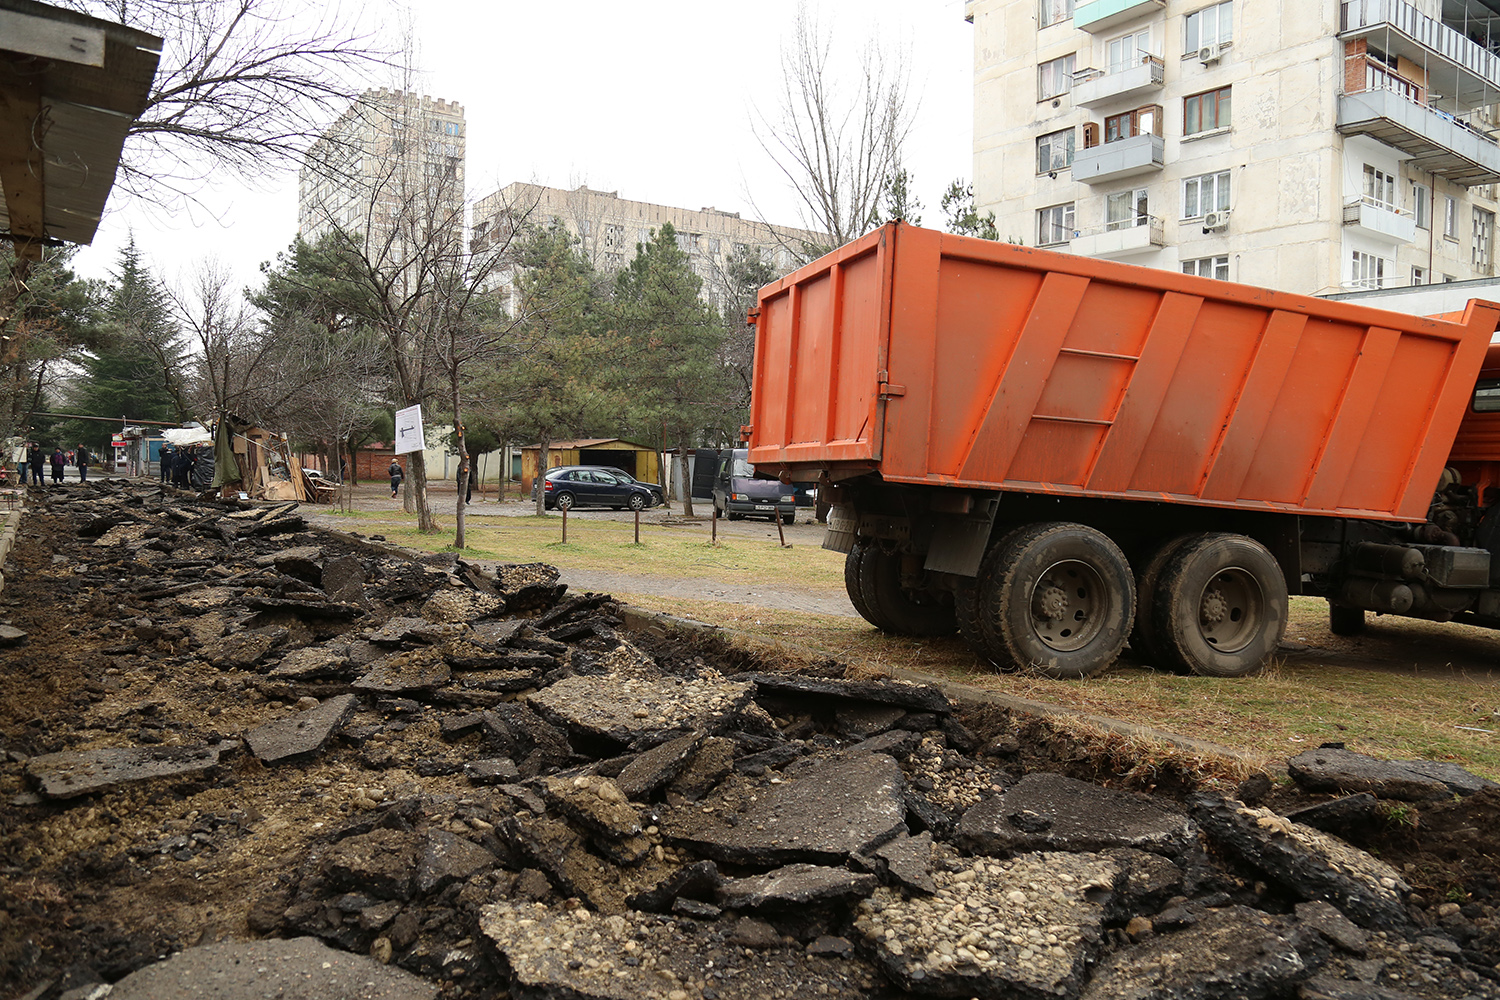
(739, 493)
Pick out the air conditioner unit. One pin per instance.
(1210, 53)
(1215, 221)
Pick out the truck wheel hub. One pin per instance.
(1215, 609)
(1051, 604)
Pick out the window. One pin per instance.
(1141, 121)
(1205, 193)
(1209, 26)
(1128, 50)
(1126, 210)
(1450, 217)
(1055, 77)
(1053, 11)
(1484, 239)
(1380, 188)
(1421, 196)
(1367, 270)
(1205, 112)
(1054, 151)
(1054, 225)
(1487, 395)
(1208, 267)
(1418, 276)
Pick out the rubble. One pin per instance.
(1335, 769)
(502, 789)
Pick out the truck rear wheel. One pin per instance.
(910, 612)
(1143, 635)
(854, 584)
(1056, 598)
(1220, 607)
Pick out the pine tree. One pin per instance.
(678, 382)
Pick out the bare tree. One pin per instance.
(242, 85)
(838, 150)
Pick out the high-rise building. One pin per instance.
(609, 227)
(390, 169)
(1310, 147)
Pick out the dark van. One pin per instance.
(738, 492)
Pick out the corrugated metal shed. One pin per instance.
(70, 87)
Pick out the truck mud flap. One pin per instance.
(959, 542)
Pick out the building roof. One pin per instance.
(78, 83)
(586, 443)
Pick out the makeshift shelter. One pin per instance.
(637, 459)
(258, 463)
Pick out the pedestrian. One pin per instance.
(181, 463)
(18, 456)
(396, 476)
(343, 468)
(83, 463)
(34, 460)
(58, 461)
(164, 459)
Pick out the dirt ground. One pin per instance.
(96, 888)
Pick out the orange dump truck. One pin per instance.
(1055, 454)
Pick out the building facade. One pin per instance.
(390, 169)
(1310, 147)
(609, 227)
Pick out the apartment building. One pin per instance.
(1313, 147)
(391, 168)
(609, 227)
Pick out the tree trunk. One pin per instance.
(416, 492)
(686, 480)
(541, 472)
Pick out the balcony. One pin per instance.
(1381, 221)
(1120, 239)
(1093, 87)
(1112, 161)
(1101, 15)
(1436, 141)
(1469, 73)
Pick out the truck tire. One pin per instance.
(1220, 607)
(854, 584)
(1344, 620)
(1056, 598)
(918, 613)
(1143, 635)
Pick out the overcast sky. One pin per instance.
(655, 100)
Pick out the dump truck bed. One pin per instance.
(941, 359)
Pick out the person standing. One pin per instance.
(164, 459)
(396, 476)
(58, 461)
(18, 456)
(81, 455)
(34, 460)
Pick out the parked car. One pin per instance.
(570, 486)
(739, 492)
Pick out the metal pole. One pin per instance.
(565, 525)
(779, 533)
(637, 527)
(715, 536)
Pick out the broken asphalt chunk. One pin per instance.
(827, 812)
(912, 697)
(1333, 769)
(71, 773)
(641, 708)
(411, 670)
(1235, 952)
(794, 885)
(302, 733)
(1308, 863)
(1028, 927)
(1052, 812)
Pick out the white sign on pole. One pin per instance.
(409, 430)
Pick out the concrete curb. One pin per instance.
(8, 538)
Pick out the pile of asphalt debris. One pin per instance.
(618, 808)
